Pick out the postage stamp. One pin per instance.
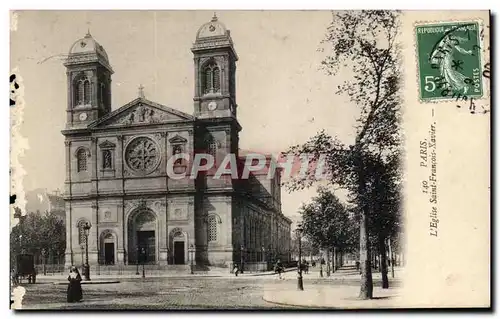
(449, 61)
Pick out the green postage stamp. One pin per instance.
(449, 61)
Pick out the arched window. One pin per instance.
(212, 228)
(81, 232)
(80, 93)
(216, 77)
(211, 78)
(212, 148)
(86, 86)
(83, 91)
(82, 160)
(208, 80)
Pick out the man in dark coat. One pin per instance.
(75, 286)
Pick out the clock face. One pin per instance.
(83, 116)
(212, 106)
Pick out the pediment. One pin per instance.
(107, 144)
(177, 140)
(142, 112)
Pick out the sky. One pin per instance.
(282, 94)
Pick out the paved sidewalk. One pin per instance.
(338, 291)
(336, 297)
(158, 274)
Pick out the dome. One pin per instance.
(214, 28)
(88, 45)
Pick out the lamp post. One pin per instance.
(300, 283)
(137, 261)
(191, 256)
(44, 252)
(86, 267)
(143, 254)
(242, 249)
(82, 253)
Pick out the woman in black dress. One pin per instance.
(74, 286)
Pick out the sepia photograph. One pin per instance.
(249, 160)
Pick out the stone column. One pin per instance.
(68, 260)
(93, 237)
(120, 257)
(163, 250)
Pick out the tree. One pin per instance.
(308, 248)
(364, 43)
(325, 221)
(36, 231)
(385, 198)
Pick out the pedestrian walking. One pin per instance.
(74, 292)
(278, 268)
(236, 270)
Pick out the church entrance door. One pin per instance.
(142, 237)
(109, 253)
(146, 240)
(179, 252)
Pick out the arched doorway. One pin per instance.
(178, 240)
(142, 236)
(108, 248)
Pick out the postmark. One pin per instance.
(449, 61)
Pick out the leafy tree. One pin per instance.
(326, 221)
(36, 231)
(385, 199)
(308, 247)
(364, 43)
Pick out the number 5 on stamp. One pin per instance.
(449, 61)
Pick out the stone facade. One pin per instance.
(117, 169)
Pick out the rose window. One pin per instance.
(142, 155)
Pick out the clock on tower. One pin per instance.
(215, 63)
(89, 82)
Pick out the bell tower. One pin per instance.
(89, 82)
(215, 71)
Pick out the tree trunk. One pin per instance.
(334, 259)
(391, 256)
(366, 289)
(383, 262)
(328, 262)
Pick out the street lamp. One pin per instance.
(191, 256)
(137, 261)
(86, 267)
(242, 249)
(143, 258)
(44, 252)
(300, 283)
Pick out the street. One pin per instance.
(182, 293)
(155, 293)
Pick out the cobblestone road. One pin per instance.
(155, 293)
(181, 293)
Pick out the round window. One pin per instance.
(142, 155)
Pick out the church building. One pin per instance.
(117, 177)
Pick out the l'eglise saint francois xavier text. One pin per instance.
(428, 162)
